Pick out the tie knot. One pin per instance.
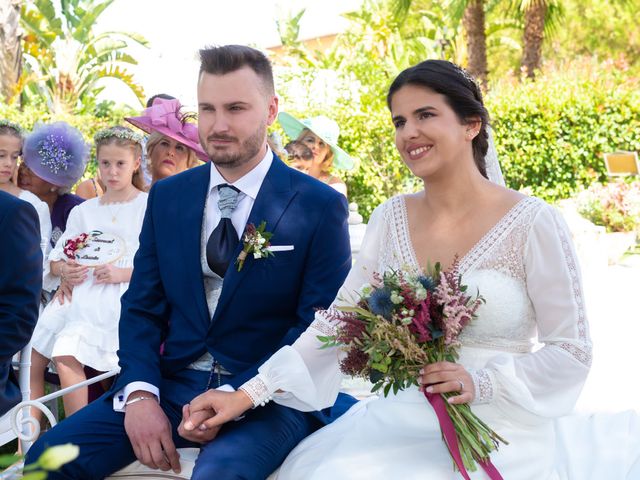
(227, 200)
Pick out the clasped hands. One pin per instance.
(149, 429)
(205, 415)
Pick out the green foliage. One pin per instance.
(550, 134)
(65, 59)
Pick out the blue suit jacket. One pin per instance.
(266, 305)
(20, 285)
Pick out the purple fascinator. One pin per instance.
(57, 153)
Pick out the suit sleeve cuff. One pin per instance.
(121, 396)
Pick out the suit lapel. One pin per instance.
(191, 216)
(273, 198)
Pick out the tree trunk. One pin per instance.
(534, 18)
(473, 23)
(10, 48)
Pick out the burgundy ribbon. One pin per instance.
(448, 430)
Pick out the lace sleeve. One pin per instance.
(305, 376)
(548, 381)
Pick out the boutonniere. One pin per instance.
(255, 242)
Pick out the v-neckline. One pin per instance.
(468, 259)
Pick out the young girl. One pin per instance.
(80, 326)
(11, 140)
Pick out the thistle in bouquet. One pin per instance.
(403, 322)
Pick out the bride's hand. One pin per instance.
(443, 377)
(214, 408)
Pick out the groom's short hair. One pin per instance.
(229, 58)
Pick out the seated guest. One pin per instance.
(299, 155)
(11, 140)
(80, 326)
(320, 135)
(20, 284)
(173, 145)
(46, 179)
(91, 187)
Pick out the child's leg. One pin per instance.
(36, 379)
(71, 372)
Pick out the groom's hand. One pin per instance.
(201, 434)
(214, 408)
(149, 432)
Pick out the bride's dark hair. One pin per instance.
(461, 92)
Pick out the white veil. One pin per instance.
(494, 172)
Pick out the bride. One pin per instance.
(517, 251)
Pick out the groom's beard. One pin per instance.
(246, 151)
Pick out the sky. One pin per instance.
(176, 29)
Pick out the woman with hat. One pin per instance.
(320, 134)
(54, 159)
(11, 147)
(173, 145)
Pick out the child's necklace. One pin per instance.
(114, 216)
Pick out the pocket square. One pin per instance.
(280, 248)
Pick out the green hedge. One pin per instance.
(551, 133)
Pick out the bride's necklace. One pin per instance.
(114, 215)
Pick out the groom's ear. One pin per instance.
(272, 109)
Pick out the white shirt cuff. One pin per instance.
(226, 388)
(121, 397)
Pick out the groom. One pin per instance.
(215, 320)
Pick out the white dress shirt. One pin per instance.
(249, 185)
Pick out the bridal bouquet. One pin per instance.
(402, 323)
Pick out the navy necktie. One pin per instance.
(224, 238)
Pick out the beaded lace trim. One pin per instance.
(582, 352)
(495, 234)
(323, 326)
(257, 391)
(484, 386)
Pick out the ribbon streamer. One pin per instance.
(449, 432)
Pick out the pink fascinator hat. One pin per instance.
(164, 116)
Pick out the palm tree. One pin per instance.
(474, 25)
(65, 58)
(471, 15)
(535, 14)
(11, 51)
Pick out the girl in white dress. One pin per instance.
(80, 326)
(11, 142)
(517, 252)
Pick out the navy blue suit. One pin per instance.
(20, 285)
(266, 305)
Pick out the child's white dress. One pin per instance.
(87, 326)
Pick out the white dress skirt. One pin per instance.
(528, 352)
(87, 326)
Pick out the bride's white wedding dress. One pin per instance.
(528, 351)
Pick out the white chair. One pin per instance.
(18, 422)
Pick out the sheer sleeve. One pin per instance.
(548, 381)
(73, 229)
(305, 376)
